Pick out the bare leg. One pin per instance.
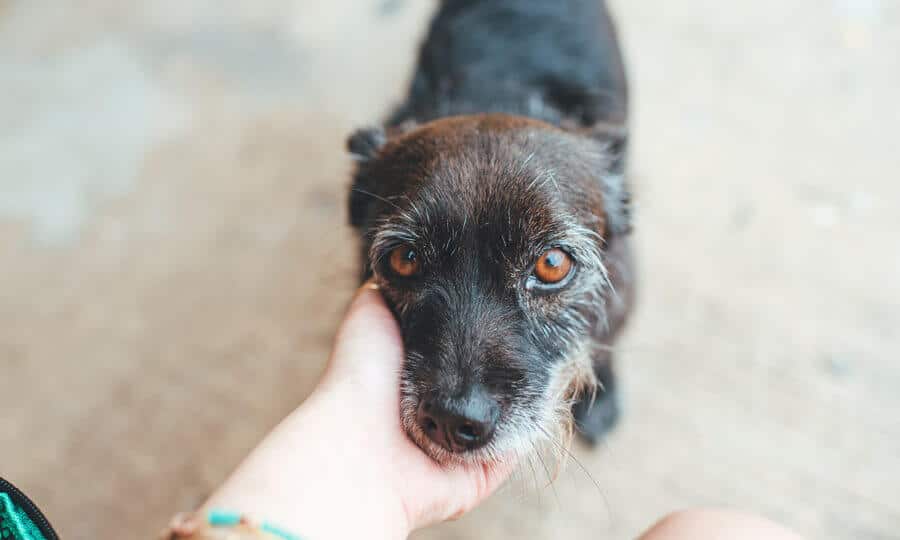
(708, 524)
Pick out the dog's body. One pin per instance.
(494, 214)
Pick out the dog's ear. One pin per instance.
(613, 139)
(364, 145)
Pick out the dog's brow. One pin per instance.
(389, 235)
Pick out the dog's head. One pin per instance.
(486, 234)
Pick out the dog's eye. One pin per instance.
(553, 266)
(404, 261)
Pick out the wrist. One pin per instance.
(316, 475)
(346, 470)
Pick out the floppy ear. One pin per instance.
(616, 192)
(364, 145)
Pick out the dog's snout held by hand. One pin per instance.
(459, 424)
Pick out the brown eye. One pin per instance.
(553, 266)
(404, 261)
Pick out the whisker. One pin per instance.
(376, 196)
(581, 466)
(534, 474)
(550, 478)
(525, 163)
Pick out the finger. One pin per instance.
(482, 480)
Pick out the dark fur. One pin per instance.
(511, 142)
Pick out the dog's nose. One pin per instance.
(458, 425)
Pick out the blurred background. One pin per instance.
(174, 255)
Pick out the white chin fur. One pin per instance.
(518, 437)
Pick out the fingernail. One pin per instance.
(369, 285)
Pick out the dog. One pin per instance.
(494, 214)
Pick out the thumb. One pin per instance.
(368, 343)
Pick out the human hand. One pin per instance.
(341, 464)
(364, 370)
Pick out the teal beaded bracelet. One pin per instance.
(223, 524)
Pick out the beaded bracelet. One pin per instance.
(222, 525)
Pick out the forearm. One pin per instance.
(298, 478)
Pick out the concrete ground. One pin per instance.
(174, 256)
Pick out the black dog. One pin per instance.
(494, 213)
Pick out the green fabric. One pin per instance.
(14, 523)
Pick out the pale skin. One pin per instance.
(340, 466)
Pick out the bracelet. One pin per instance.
(222, 525)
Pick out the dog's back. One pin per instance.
(553, 60)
